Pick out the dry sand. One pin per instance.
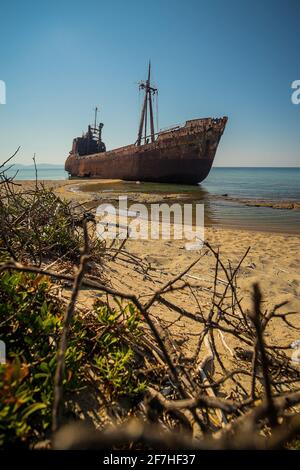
(273, 261)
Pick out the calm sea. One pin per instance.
(51, 172)
(241, 183)
(255, 183)
(270, 184)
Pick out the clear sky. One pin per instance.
(210, 58)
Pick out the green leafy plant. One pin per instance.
(116, 360)
(31, 320)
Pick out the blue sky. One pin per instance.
(210, 58)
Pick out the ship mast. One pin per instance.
(149, 91)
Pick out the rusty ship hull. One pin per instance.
(182, 155)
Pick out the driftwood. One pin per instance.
(251, 403)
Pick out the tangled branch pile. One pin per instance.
(117, 361)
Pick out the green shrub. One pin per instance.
(39, 225)
(31, 320)
(116, 360)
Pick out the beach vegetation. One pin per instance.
(79, 349)
(31, 322)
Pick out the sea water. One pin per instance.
(269, 184)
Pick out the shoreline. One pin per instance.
(92, 190)
(274, 204)
(83, 191)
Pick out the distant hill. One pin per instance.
(19, 166)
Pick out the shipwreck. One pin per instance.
(181, 154)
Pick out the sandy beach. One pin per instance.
(273, 261)
(194, 308)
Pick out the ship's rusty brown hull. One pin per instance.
(183, 155)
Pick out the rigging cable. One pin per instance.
(157, 111)
(139, 104)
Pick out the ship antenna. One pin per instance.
(96, 111)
